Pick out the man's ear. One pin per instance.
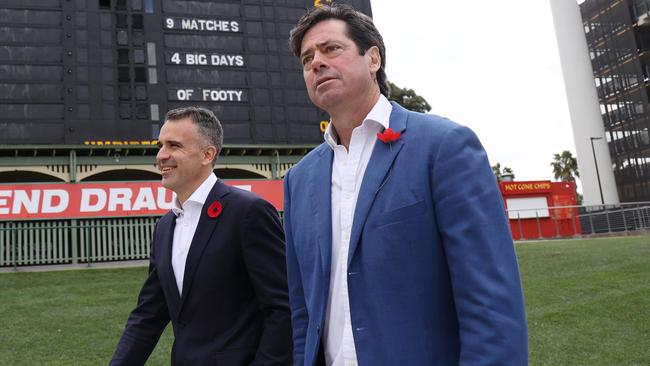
(209, 154)
(374, 58)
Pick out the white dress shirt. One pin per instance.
(187, 219)
(348, 169)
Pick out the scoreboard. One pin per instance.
(94, 71)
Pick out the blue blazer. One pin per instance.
(432, 272)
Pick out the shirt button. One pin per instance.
(348, 195)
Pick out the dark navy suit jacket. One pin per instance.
(432, 272)
(234, 306)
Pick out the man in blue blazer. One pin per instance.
(398, 249)
(216, 266)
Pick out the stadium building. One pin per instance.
(84, 87)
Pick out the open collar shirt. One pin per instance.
(348, 169)
(187, 219)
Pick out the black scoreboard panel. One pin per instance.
(94, 71)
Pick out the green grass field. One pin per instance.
(588, 303)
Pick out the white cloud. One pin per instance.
(492, 66)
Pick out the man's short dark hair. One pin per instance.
(360, 29)
(208, 124)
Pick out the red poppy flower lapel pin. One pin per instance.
(388, 136)
(214, 210)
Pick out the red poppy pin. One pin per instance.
(388, 135)
(215, 209)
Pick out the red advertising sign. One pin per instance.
(541, 186)
(114, 199)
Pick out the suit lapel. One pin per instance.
(320, 185)
(201, 238)
(377, 174)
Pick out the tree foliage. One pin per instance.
(565, 167)
(408, 99)
(498, 171)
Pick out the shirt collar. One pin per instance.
(199, 196)
(380, 114)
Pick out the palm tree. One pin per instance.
(565, 167)
(508, 171)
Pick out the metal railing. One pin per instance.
(615, 219)
(28, 243)
(579, 221)
(74, 241)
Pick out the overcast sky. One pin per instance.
(490, 65)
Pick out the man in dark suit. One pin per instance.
(398, 249)
(217, 262)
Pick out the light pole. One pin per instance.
(593, 151)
